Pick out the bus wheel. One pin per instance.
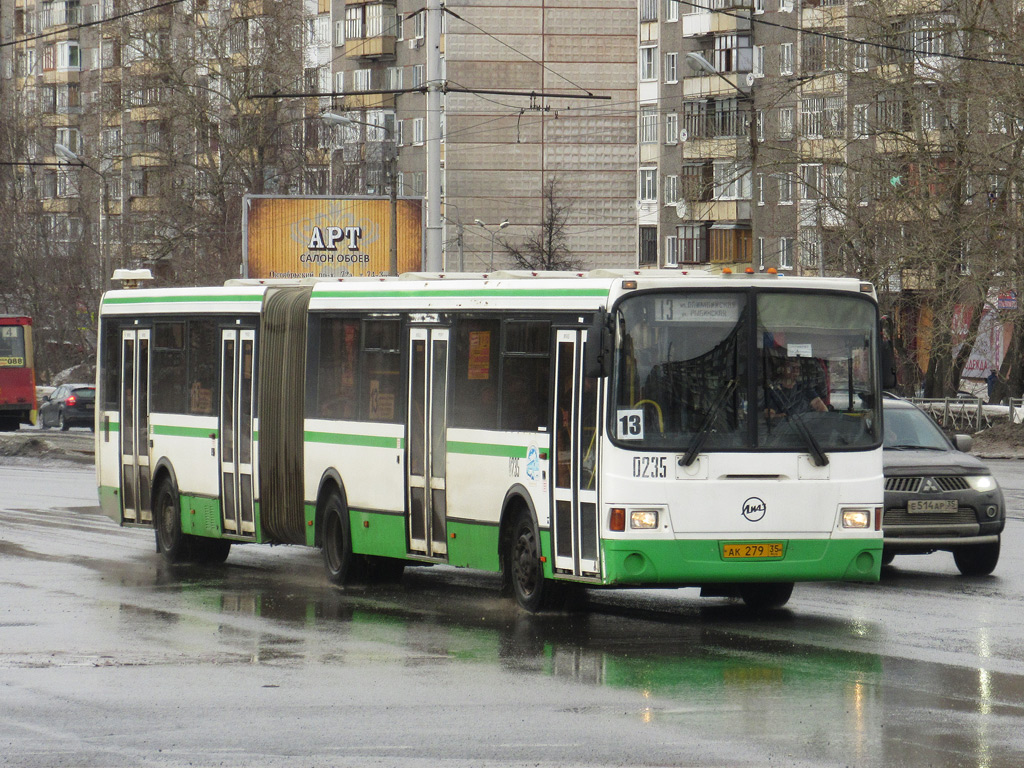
(336, 547)
(171, 542)
(765, 597)
(210, 551)
(525, 569)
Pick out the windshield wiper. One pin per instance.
(709, 422)
(820, 459)
(912, 448)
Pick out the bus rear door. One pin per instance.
(134, 431)
(427, 429)
(236, 417)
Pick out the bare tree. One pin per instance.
(547, 248)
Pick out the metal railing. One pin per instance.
(969, 414)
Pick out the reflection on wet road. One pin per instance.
(108, 657)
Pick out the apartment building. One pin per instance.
(538, 110)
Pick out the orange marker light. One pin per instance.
(618, 519)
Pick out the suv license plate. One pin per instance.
(752, 549)
(918, 506)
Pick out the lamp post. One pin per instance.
(65, 154)
(331, 118)
(492, 232)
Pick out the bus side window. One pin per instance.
(168, 386)
(110, 382)
(338, 371)
(526, 366)
(474, 396)
(203, 368)
(380, 393)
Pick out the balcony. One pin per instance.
(369, 101)
(377, 47)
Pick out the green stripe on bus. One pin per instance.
(166, 429)
(487, 449)
(370, 441)
(463, 293)
(146, 298)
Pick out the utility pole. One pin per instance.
(433, 122)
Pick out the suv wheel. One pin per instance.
(979, 560)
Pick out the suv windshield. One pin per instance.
(689, 365)
(911, 429)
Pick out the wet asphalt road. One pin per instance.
(109, 658)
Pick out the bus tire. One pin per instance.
(525, 570)
(171, 542)
(766, 596)
(210, 551)
(341, 564)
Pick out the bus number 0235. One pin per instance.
(650, 466)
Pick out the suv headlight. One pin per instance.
(982, 482)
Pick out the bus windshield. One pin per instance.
(12, 346)
(745, 370)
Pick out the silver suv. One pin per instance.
(937, 497)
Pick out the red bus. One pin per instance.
(17, 374)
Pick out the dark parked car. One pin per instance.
(69, 405)
(936, 496)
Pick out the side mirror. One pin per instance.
(887, 362)
(597, 352)
(963, 443)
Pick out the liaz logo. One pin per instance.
(754, 509)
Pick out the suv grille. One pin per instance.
(913, 484)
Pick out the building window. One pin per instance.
(419, 25)
(648, 184)
(760, 252)
(671, 189)
(812, 117)
(810, 250)
(417, 130)
(733, 53)
(928, 116)
(671, 251)
(354, 22)
(671, 67)
(810, 181)
(732, 181)
(760, 189)
(785, 253)
(786, 59)
(693, 244)
(835, 182)
(648, 246)
(785, 6)
(785, 123)
(649, 10)
(758, 61)
(648, 125)
(861, 57)
(671, 10)
(786, 189)
(339, 33)
(860, 121)
(69, 137)
(671, 128)
(649, 62)
(361, 80)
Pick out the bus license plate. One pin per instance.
(919, 506)
(752, 549)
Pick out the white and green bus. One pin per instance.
(566, 430)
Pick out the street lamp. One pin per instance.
(65, 154)
(492, 232)
(331, 118)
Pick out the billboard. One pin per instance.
(328, 236)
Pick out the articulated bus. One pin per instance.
(593, 430)
(17, 373)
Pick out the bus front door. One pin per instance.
(134, 429)
(236, 410)
(576, 523)
(427, 433)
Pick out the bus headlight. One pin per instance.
(643, 518)
(856, 517)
